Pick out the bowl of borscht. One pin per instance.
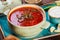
(26, 20)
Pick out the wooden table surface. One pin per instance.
(53, 38)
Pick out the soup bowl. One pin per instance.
(26, 30)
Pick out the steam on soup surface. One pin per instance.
(26, 16)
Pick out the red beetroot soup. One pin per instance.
(26, 16)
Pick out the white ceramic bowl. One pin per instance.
(54, 14)
(27, 31)
(33, 1)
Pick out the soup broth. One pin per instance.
(26, 16)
